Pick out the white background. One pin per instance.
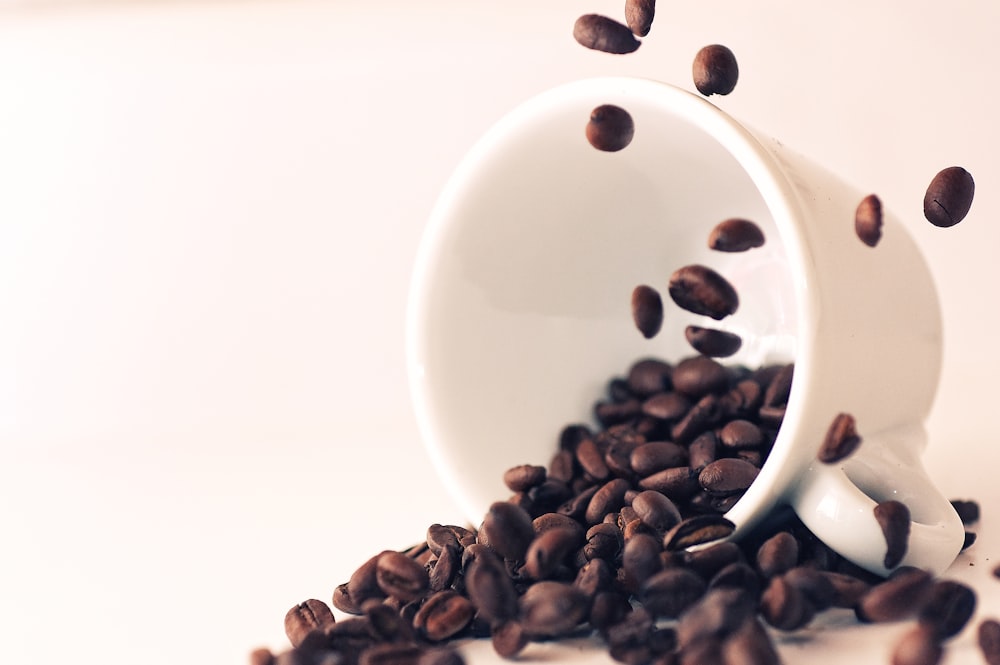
(208, 217)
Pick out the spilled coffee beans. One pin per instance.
(601, 33)
(610, 128)
(647, 310)
(639, 16)
(868, 220)
(715, 70)
(949, 196)
(701, 290)
(735, 235)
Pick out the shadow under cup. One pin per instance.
(519, 311)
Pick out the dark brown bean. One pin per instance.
(647, 310)
(710, 560)
(735, 235)
(608, 608)
(737, 575)
(666, 405)
(610, 498)
(702, 451)
(443, 615)
(968, 511)
(523, 477)
(640, 560)
(777, 554)
(701, 290)
(490, 588)
(841, 439)
(509, 639)
(261, 656)
(552, 609)
(728, 475)
(899, 597)
(715, 70)
(969, 540)
(949, 196)
(697, 530)
(610, 129)
(747, 396)
(917, 646)
(706, 413)
(548, 550)
(739, 433)
(604, 541)
(591, 460)
(441, 656)
(656, 456)
(669, 592)
(604, 34)
(894, 519)
(988, 638)
(306, 617)
(444, 570)
(868, 220)
(750, 644)
(784, 606)
(779, 387)
(401, 577)
(342, 600)
(386, 621)
(363, 583)
(594, 576)
(649, 376)
(814, 584)
(391, 654)
(717, 614)
(679, 483)
(948, 609)
(712, 342)
(613, 413)
(639, 16)
(656, 510)
(848, 590)
(507, 529)
(698, 376)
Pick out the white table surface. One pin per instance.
(208, 217)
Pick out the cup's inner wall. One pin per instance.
(527, 296)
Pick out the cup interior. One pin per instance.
(520, 306)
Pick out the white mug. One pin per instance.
(519, 311)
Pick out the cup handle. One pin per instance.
(836, 502)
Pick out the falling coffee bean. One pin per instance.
(728, 475)
(894, 519)
(610, 128)
(306, 617)
(868, 220)
(711, 342)
(949, 196)
(840, 441)
(899, 597)
(988, 638)
(948, 609)
(968, 511)
(647, 310)
(701, 290)
(735, 235)
(697, 530)
(917, 646)
(639, 16)
(604, 34)
(715, 70)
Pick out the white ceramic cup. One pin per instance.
(520, 306)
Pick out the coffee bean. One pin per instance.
(548, 550)
(444, 570)
(306, 617)
(917, 646)
(342, 600)
(697, 530)
(443, 615)
(612, 413)
(523, 477)
(401, 577)
(608, 608)
(490, 588)
(593, 577)
(656, 510)
(640, 560)
(785, 606)
(509, 639)
(841, 440)
(575, 507)
(387, 622)
(261, 656)
(868, 220)
(649, 376)
(441, 656)
(363, 583)
(391, 654)
(739, 433)
(735, 235)
(777, 554)
(969, 541)
(949, 197)
(712, 342)
(702, 451)
(848, 590)
(897, 598)
(668, 593)
(737, 575)
(814, 584)
(717, 614)
(708, 561)
(591, 460)
(647, 310)
(727, 476)
(706, 413)
(747, 396)
(639, 16)
(604, 34)
(949, 607)
(750, 644)
(771, 416)
(968, 511)
(701, 290)
(634, 629)
(507, 529)
(610, 129)
(779, 388)
(715, 70)
(679, 483)
(552, 609)
(666, 405)
(988, 638)
(608, 499)
(656, 456)
(894, 519)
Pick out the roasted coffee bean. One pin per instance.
(777, 554)
(444, 570)
(708, 561)
(611, 129)
(656, 510)
(868, 220)
(988, 638)
(771, 416)
(894, 519)
(949, 197)
(490, 588)
(576, 507)
(814, 584)
(363, 583)
(621, 443)
(571, 435)
(899, 597)
(604, 34)
(747, 396)
(640, 560)
(342, 600)
(562, 467)
(917, 646)
(697, 530)
(716, 614)
(737, 575)
(401, 577)
(784, 606)
(848, 590)
(715, 70)
(779, 387)
(656, 456)
(440, 537)
(591, 460)
(739, 433)
(649, 376)
(753, 457)
(666, 405)
(968, 511)
(608, 608)
(391, 654)
(613, 413)
(698, 376)
(679, 483)
(604, 541)
(947, 610)
(669, 592)
(639, 16)
(306, 617)
(705, 414)
(523, 477)
(712, 342)
(507, 529)
(750, 644)
(647, 310)
(969, 541)
(594, 576)
(702, 451)
(841, 439)
(727, 476)
(549, 495)
(261, 656)
(509, 639)
(552, 609)
(387, 622)
(548, 551)
(441, 656)
(609, 498)
(443, 615)
(735, 235)
(701, 290)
